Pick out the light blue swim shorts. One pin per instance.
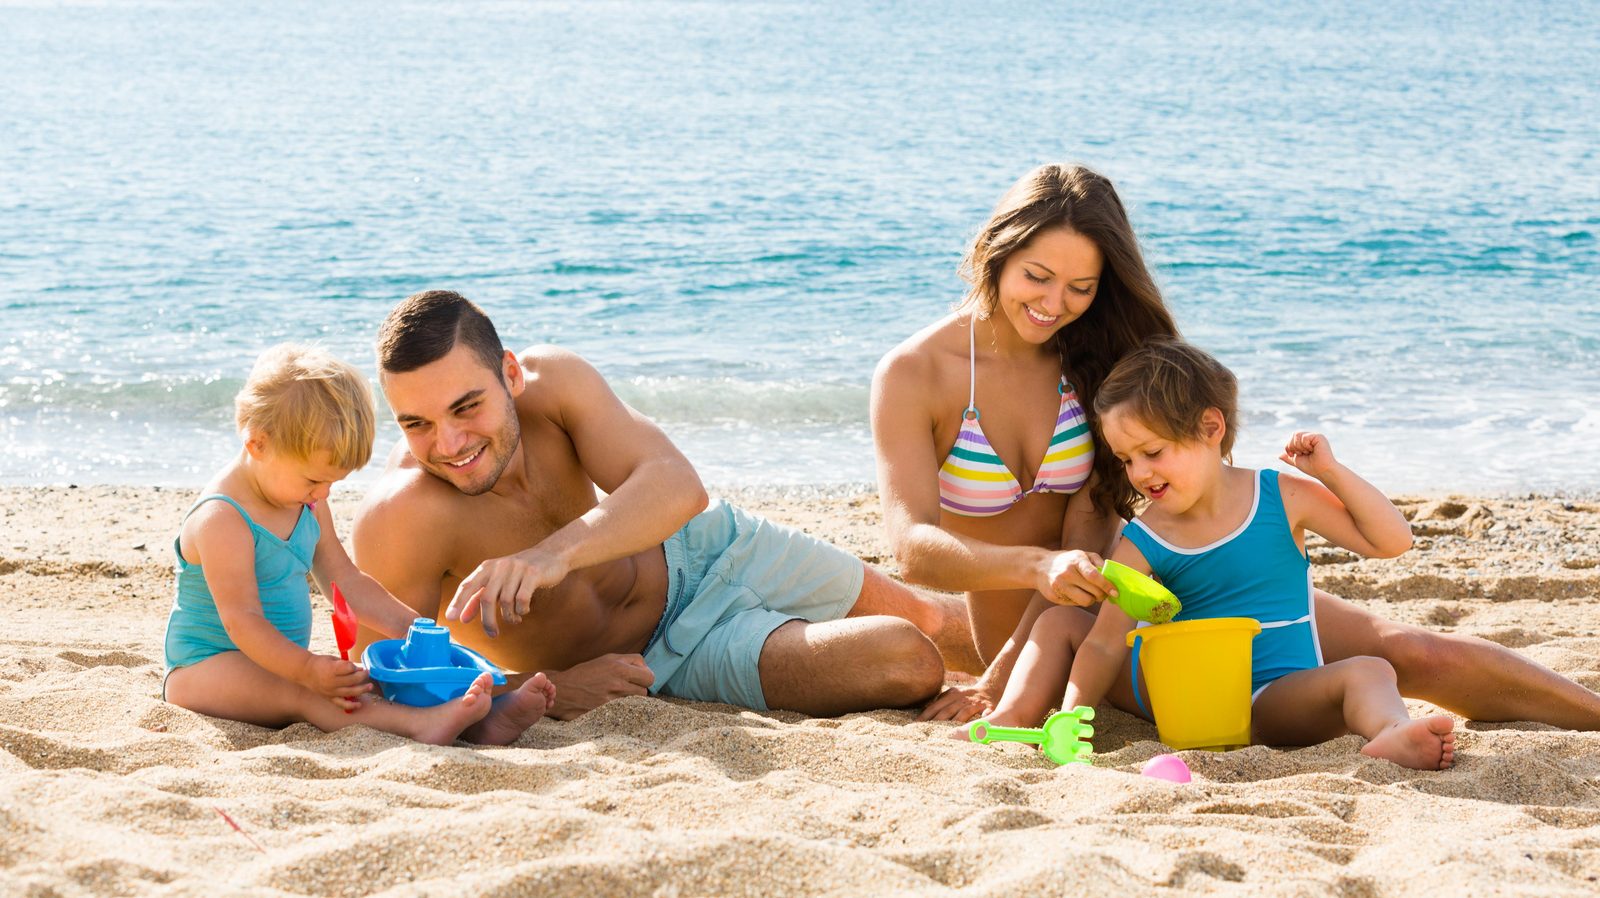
(733, 578)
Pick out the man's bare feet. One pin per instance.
(514, 712)
(442, 723)
(1427, 743)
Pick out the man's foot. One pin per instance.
(514, 712)
(1427, 743)
(442, 723)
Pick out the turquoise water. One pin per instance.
(1388, 224)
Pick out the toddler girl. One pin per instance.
(237, 637)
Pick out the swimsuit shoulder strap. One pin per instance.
(228, 499)
(972, 365)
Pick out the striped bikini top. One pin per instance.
(974, 482)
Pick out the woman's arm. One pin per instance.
(908, 487)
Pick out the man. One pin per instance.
(491, 511)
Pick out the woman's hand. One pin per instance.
(1073, 578)
(961, 703)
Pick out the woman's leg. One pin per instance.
(993, 618)
(1469, 676)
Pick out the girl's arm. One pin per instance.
(1083, 528)
(1100, 658)
(224, 546)
(375, 606)
(908, 486)
(1345, 509)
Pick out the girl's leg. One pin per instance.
(1043, 666)
(1356, 695)
(231, 686)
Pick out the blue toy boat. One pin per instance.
(425, 668)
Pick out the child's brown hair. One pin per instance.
(301, 399)
(1168, 385)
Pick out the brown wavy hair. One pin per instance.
(1168, 385)
(1127, 310)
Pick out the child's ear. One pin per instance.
(1213, 427)
(255, 445)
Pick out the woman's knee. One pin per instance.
(1413, 652)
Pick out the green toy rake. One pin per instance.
(1064, 738)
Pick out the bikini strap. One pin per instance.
(971, 414)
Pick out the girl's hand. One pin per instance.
(1073, 578)
(341, 681)
(1310, 453)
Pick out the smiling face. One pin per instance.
(459, 417)
(1048, 283)
(1172, 473)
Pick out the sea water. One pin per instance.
(1385, 219)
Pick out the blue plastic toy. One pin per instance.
(425, 668)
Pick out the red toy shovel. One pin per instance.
(344, 623)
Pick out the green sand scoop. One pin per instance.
(1063, 738)
(1141, 597)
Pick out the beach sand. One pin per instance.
(105, 790)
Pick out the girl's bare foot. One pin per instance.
(1427, 743)
(442, 723)
(514, 712)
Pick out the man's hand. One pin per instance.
(502, 588)
(589, 685)
(340, 680)
(1074, 578)
(960, 704)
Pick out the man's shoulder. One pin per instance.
(407, 496)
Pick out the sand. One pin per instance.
(105, 790)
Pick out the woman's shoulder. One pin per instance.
(927, 352)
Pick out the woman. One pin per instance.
(994, 397)
(991, 484)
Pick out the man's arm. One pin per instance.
(651, 490)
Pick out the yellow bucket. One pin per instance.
(1198, 673)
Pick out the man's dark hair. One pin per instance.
(426, 326)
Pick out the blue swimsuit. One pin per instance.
(1258, 572)
(194, 629)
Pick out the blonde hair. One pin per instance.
(301, 399)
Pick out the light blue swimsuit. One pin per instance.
(195, 631)
(1257, 571)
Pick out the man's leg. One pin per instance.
(855, 664)
(1472, 677)
(940, 616)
